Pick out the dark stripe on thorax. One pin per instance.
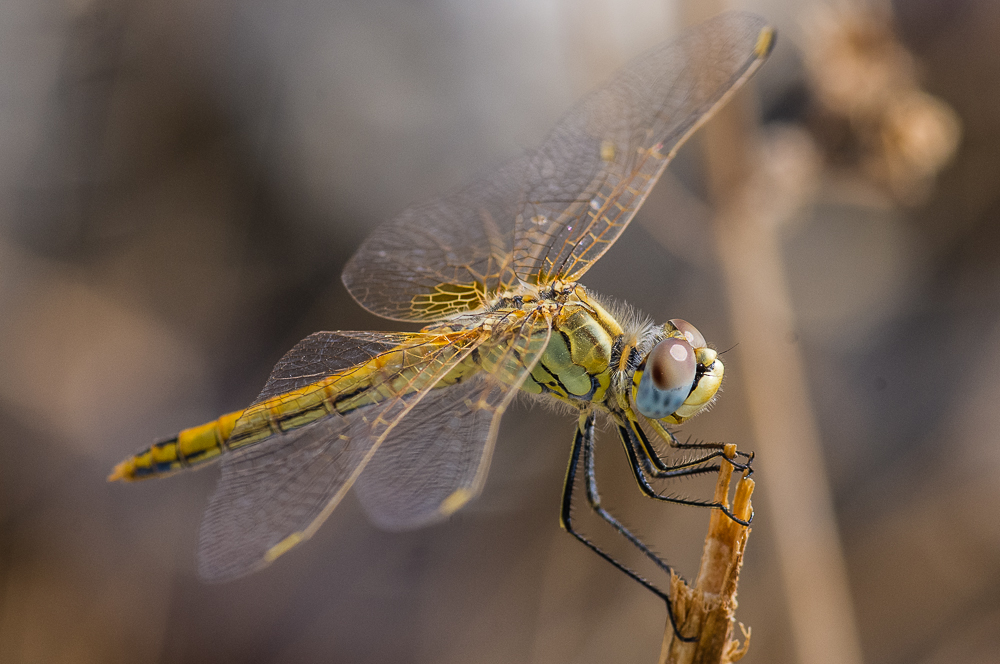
(565, 392)
(616, 352)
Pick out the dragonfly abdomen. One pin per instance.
(384, 377)
(190, 447)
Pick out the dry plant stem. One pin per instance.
(706, 611)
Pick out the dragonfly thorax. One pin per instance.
(619, 362)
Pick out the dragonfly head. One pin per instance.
(678, 377)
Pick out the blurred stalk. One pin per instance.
(755, 189)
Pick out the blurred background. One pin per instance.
(180, 186)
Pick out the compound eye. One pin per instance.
(671, 364)
(667, 379)
(690, 332)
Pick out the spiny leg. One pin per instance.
(594, 499)
(583, 445)
(635, 444)
(660, 466)
(656, 467)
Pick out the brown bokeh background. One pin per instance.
(180, 186)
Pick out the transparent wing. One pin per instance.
(437, 459)
(435, 452)
(276, 493)
(441, 257)
(552, 213)
(596, 168)
(324, 354)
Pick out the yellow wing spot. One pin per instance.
(447, 298)
(283, 546)
(765, 42)
(455, 502)
(607, 150)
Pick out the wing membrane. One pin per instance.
(276, 493)
(437, 459)
(441, 257)
(594, 171)
(551, 214)
(430, 456)
(324, 354)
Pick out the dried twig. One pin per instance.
(707, 610)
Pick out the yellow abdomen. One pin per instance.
(190, 447)
(387, 375)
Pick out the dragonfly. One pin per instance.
(409, 419)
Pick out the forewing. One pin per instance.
(437, 459)
(275, 493)
(596, 168)
(552, 213)
(443, 256)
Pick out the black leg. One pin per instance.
(583, 445)
(660, 466)
(654, 466)
(636, 443)
(594, 499)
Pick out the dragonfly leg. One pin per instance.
(661, 466)
(583, 447)
(636, 446)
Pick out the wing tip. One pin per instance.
(455, 501)
(284, 546)
(766, 39)
(215, 569)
